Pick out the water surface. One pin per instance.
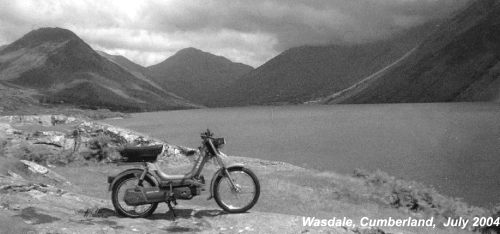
(454, 147)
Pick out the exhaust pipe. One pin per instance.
(142, 196)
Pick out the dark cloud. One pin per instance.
(245, 31)
(299, 22)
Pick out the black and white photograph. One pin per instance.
(263, 116)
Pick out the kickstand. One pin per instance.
(169, 204)
(170, 200)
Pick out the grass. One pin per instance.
(416, 197)
(11, 165)
(43, 155)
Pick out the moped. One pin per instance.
(137, 192)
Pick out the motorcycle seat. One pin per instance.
(141, 154)
(164, 177)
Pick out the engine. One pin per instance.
(141, 196)
(187, 192)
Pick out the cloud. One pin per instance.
(151, 48)
(245, 31)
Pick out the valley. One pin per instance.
(454, 59)
(377, 109)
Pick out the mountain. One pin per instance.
(460, 61)
(134, 68)
(309, 72)
(2, 47)
(64, 69)
(197, 75)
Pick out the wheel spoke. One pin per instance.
(131, 211)
(242, 195)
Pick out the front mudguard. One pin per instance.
(219, 173)
(133, 171)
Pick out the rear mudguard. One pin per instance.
(219, 173)
(134, 171)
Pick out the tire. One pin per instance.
(121, 185)
(222, 185)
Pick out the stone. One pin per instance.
(5, 129)
(53, 138)
(39, 169)
(35, 168)
(14, 175)
(44, 120)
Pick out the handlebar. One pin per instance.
(214, 143)
(207, 134)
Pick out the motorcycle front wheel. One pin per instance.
(118, 192)
(240, 198)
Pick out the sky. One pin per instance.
(250, 32)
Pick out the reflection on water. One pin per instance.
(453, 147)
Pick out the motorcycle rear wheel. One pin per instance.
(241, 199)
(118, 191)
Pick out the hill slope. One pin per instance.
(64, 69)
(134, 68)
(197, 75)
(460, 61)
(309, 72)
(12, 98)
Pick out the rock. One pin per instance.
(36, 168)
(44, 120)
(121, 136)
(171, 151)
(54, 138)
(14, 175)
(6, 129)
(62, 119)
(89, 139)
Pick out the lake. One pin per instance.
(454, 147)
